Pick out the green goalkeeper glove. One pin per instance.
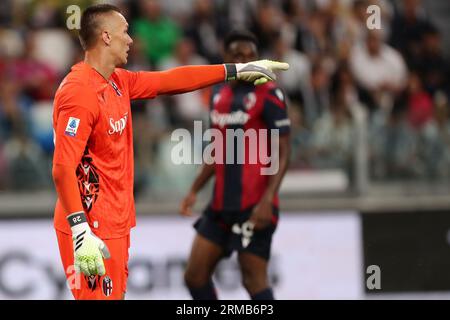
(88, 249)
(258, 72)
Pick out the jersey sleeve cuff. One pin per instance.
(76, 218)
(230, 71)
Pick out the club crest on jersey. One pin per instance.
(72, 127)
(119, 125)
(107, 286)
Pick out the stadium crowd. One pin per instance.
(397, 76)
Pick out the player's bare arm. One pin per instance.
(262, 213)
(206, 172)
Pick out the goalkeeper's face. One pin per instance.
(241, 51)
(120, 40)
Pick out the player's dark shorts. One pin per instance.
(229, 230)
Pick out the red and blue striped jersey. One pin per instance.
(253, 110)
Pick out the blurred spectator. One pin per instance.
(187, 107)
(268, 20)
(407, 29)
(297, 80)
(418, 103)
(379, 71)
(206, 28)
(44, 14)
(333, 133)
(356, 22)
(351, 20)
(40, 119)
(347, 26)
(320, 100)
(6, 13)
(343, 86)
(26, 168)
(11, 43)
(44, 43)
(36, 78)
(435, 139)
(24, 165)
(137, 60)
(394, 145)
(387, 10)
(294, 26)
(433, 68)
(301, 137)
(158, 32)
(50, 13)
(339, 41)
(3, 170)
(11, 112)
(240, 13)
(316, 41)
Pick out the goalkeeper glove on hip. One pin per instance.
(258, 72)
(88, 249)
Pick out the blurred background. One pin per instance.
(369, 179)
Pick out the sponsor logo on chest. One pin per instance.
(233, 118)
(118, 126)
(239, 117)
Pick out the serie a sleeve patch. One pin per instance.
(72, 126)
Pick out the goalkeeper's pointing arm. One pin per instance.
(190, 78)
